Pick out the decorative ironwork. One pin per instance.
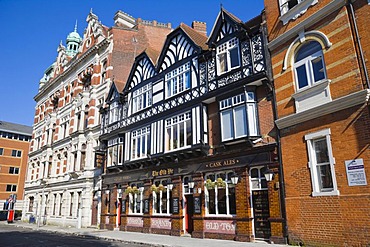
(258, 58)
(211, 69)
(229, 79)
(246, 53)
(202, 73)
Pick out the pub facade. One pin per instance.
(190, 142)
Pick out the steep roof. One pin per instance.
(15, 128)
(198, 38)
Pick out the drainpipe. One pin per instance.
(278, 138)
(354, 29)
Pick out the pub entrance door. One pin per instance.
(260, 203)
(189, 207)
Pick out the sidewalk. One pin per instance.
(141, 238)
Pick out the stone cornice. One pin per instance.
(318, 16)
(336, 105)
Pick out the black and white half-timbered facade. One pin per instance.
(190, 137)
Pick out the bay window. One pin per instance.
(142, 98)
(228, 56)
(238, 116)
(178, 80)
(140, 143)
(220, 197)
(178, 132)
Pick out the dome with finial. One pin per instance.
(73, 42)
(74, 36)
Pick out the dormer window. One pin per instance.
(178, 80)
(142, 98)
(228, 56)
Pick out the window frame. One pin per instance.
(13, 170)
(132, 201)
(227, 188)
(142, 98)
(224, 49)
(144, 138)
(12, 188)
(159, 196)
(175, 122)
(313, 165)
(247, 101)
(1, 151)
(178, 80)
(16, 153)
(307, 62)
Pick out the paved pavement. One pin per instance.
(141, 238)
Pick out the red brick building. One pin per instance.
(320, 52)
(14, 146)
(189, 153)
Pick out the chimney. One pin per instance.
(122, 19)
(200, 27)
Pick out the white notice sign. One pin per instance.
(356, 172)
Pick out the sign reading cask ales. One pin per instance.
(146, 206)
(175, 205)
(197, 205)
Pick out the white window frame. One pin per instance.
(132, 201)
(224, 50)
(247, 101)
(178, 80)
(229, 185)
(312, 163)
(114, 112)
(142, 98)
(307, 62)
(174, 124)
(158, 196)
(115, 152)
(141, 136)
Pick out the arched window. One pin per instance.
(309, 66)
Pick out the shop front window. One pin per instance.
(220, 194)
(162, 196)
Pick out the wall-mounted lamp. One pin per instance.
(191, 183)
(234, 178)
(169, 184)
(269, 175)
(141, 189)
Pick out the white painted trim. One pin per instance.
(297, 11)
(336, 105)
(302, 38)
(317, 134)
(305, 24)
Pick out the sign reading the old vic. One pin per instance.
(162, 172)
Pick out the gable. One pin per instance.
(225, 25)
(143, 70)
(113, 94)
(176, 48)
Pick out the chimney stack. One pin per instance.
(200, 27)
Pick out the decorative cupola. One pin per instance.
(73, 42)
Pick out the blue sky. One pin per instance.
(33, 29)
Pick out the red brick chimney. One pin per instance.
(200, 26)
